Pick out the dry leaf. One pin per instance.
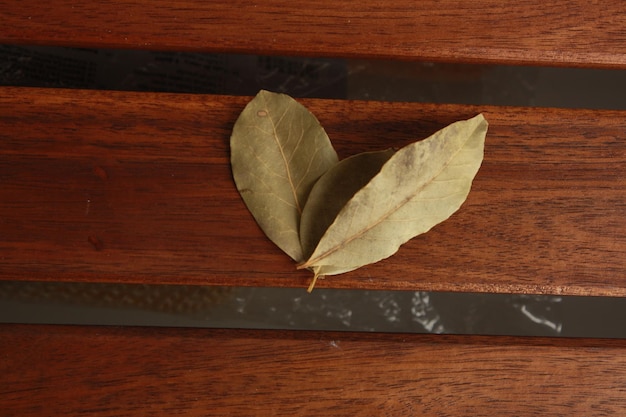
(417, 188)
(278, 151)
(335, 217)
(333, 190)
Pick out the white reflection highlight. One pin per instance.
(423, 312)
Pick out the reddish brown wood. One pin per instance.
(52, 371)
(137, 187)
(563, 32)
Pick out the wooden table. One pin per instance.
(103, 186)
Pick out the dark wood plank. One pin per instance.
(52, 371)
(137, 187)
(563, 32)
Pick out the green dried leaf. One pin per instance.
(420, 186)
(278, 151)
(333, 190)
(335, 217)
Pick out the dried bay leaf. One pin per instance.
(333, 190)
(328, 196)
(278, 151)
(420, 186)
(333, 217)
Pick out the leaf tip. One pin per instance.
(480, 117)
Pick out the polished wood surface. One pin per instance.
(102, 186)
(136, 187)
(562, 32)
(52, 371)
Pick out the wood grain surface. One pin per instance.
(52, 371)
(562, 32)
(136, 187)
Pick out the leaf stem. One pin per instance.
(312, 285)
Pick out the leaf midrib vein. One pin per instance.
(283, 156)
